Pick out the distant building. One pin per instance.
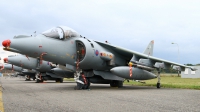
(188, 73)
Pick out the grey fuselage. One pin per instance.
(65, 51)
(21, 71)
(29, 63)
(32, 64)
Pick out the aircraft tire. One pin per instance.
(79, 86)
(82, 86)
(120, 84)
(158, 85)
(27, 80)
(115, 83)
(34, 78)
(61, 80)
(37, 81)
(87, 86)
(56, 80)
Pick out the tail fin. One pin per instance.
(149, 49)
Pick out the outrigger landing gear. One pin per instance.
(158, 83)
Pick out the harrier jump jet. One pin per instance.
(20, 71)
(42, 71)
(91, 61)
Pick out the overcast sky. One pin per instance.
(131, 24)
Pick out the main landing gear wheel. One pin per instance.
(158, 85)
(115, 83)
(39, 81)
(34, 78)
(28, 80)
(59, 80)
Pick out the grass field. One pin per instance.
(167, 81)
(170, 82)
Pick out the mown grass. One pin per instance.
(167, 81)
(170, 82)
(68, 79)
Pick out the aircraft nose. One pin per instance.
(5, 60)
(6, 43)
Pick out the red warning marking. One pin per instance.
(130, 66)
(83, 76)
(130, 71)
(41, 57)
(77, 65)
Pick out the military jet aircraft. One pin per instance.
(91, 61)
(42, 71)
(20, 71)
(28, 74)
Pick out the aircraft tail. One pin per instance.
(149, 49)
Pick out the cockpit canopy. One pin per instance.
(60, 32)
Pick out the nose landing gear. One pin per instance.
(82, 81)
(39, 78)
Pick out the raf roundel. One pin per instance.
(96, 52)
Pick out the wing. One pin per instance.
(145, 59)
